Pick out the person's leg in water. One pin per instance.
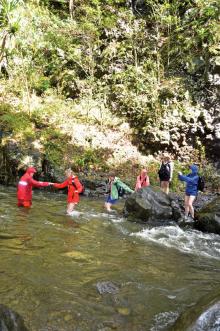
(70, 207)
(108, 206)
(190, 203)
(24, 203)
(109, 202)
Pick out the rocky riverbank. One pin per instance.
(153, 207)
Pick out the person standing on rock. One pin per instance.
(113, 188)
(25, 185)
(74, 189)
(165, 173)
(191, 191)
(142, 180)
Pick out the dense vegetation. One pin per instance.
(138, 60)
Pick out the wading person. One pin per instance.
(25, 185)
(142, 180)
(165, 173)
(113, 188)
(191, 189)
(74, 189)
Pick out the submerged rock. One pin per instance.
(10, 320)
(208, 218)
(150, 204)
(107, 287)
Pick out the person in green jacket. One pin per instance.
(112, 187)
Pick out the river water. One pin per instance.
(51, 265)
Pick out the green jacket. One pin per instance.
(118, 183)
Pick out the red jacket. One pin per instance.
(72, 196)
(142, 181)
(25, 184)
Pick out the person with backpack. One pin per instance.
(74, 189)
(165, 173)
(115, 188)
(142, 180)
(191, 192)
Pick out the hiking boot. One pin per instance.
(188, 219)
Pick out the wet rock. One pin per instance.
(186, 223)
(150, 204)
(124, 311)
(107, 287)
(208, 218)
(200, 317)
(209, 320)
(10, 320)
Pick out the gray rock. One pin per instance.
(107, 287)
(209, 320)
(10, 320)
(150, 204)
(208, 217)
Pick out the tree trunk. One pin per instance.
(2, 51)
(71, 8)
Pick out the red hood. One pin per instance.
(31, 170)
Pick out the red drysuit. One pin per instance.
(24, 190)
(73, 189)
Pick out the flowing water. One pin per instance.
(51, 265)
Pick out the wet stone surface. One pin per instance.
(107, 287)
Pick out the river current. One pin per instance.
(51, 265)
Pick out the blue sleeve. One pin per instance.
(187, 179)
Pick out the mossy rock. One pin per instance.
(208, 218)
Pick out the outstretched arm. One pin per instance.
(186, 179)
(35, 183)
(61, 185)
(124, 186)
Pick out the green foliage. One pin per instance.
(18, 123)
(55, 146)
(41, 84)
(7, 10)
(135, 63)
(5, 108)
(212, 177)
(90, 159)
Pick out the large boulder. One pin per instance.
(208, 218)
(150, 204)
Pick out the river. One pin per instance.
(51, 264)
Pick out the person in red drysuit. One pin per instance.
(74, 188)
(142, 180)
(24, 189)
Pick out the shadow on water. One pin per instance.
(52, 266)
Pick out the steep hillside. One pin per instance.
(102, 84)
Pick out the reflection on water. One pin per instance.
(51, 264)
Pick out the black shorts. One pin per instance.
(164, 179)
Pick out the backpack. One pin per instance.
(164, 170)
(144, 181)
(83, 187)
(201, 184)
(121, 190)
